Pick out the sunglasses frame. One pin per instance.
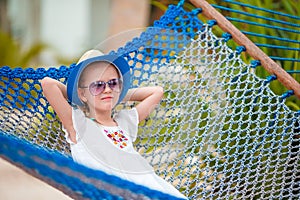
(119, 81)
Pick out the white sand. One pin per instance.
(15, 184)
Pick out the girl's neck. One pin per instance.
(104, 119)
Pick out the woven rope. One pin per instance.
(219, 132)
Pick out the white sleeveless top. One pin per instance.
(110, 149)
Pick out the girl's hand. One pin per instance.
(72, 135)
(148, 97)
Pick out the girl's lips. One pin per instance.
(106, 98)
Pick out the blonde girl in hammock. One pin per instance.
(99, 140)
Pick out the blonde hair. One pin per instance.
(89, 54)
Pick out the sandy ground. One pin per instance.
(15, 184)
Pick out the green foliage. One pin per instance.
(13, 55)
(249, 136)
(288, 7)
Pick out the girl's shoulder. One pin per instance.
(77, 114)
(127, 119)
(125, 113)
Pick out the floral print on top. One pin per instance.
(117, 137)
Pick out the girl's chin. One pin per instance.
(105, 105)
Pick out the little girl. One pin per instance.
(97, 83)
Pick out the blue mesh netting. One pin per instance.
(219, 132)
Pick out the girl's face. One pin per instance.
(108, 98)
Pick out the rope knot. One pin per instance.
(255, 63)
(240, 49)
(211, 23)
(287, 94)
(226, 36)
(270, 78)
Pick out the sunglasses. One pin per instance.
(98, 87)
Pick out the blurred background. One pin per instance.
(36, 33)
(51, 33)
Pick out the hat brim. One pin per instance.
(119, 62)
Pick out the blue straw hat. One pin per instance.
(96, 56)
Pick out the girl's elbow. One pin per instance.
(160, 91)
(49, 84)
(46, 82)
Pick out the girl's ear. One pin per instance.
(82, 95)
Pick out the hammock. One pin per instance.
(220, 132)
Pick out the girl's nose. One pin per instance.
(107, 89)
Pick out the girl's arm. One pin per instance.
(149, 97)
(56, 94)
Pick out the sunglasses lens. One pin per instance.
(115, 85)
(97, 87)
